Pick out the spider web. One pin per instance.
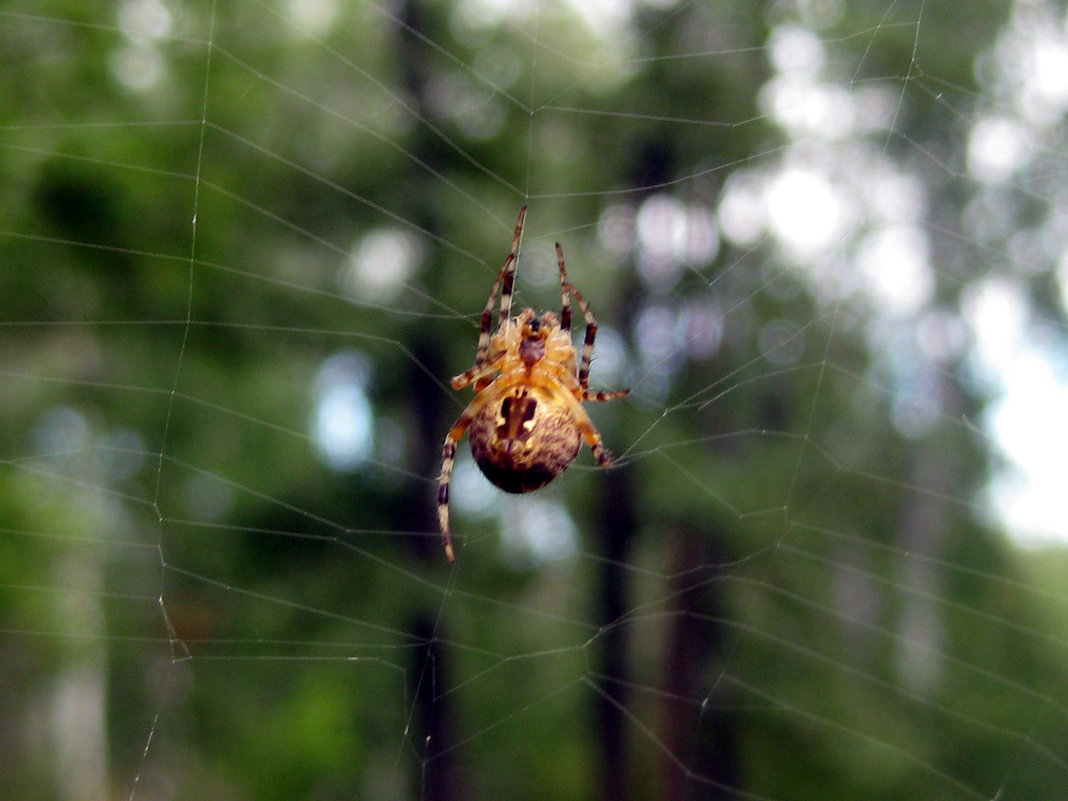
(246, 245)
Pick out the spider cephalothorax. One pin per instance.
(526, 421)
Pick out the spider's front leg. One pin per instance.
(566, 289)
(504, 285)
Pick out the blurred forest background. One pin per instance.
(245, 245)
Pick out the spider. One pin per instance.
(526, 420)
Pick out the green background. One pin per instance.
(779, 593)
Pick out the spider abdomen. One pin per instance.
(524, 439)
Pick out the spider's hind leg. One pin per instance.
(448, 459)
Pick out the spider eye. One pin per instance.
(535, 324)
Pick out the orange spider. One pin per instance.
(526, 420)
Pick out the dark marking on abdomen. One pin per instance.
(523, 443)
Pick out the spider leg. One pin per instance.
(600, 397)
(479, 374)
(565, 298)
(586, 427)
(509, 268)
(567, 289)
(588, 340)
(600, 453)
(504, 284)
(448, 458)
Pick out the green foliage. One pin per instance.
(778, 593)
